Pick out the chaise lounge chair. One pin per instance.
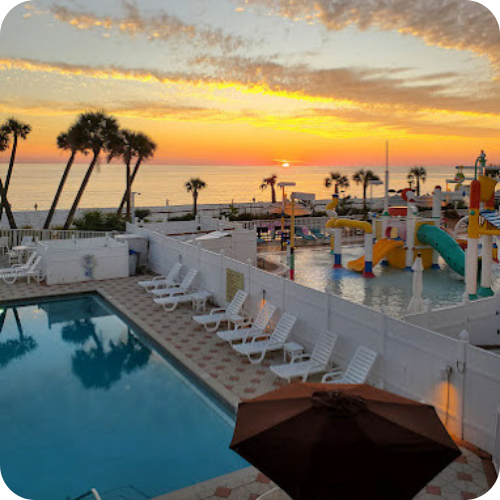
(309, 364)
(232, 314)
(275, 342)
(318, 234)
(181, 289)
(358, 370)
(162, 281)
(244, 331)
(26, 265)
(169, 304)
(34, 271)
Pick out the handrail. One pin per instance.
(92, 492)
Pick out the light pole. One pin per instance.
(303, 197)
(134, 193)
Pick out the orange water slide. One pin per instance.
(380, 250)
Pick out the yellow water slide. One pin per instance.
(380, 250)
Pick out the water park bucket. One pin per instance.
(487, 187)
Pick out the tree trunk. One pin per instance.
(195, 203)
(128, 192)
(9, 174)
(62, 182)
(418, 186)
(273, 193)
(79, 195)
(8, 210)
(365, 186)
(132, 179)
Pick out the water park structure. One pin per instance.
(396, 236)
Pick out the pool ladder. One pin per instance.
(93, 493)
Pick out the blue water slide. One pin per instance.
(445, 245)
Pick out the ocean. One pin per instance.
(35, 183)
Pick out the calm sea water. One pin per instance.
(36, 183)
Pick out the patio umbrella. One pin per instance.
(342, 442)
(417, 304)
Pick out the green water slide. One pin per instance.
(445, 245)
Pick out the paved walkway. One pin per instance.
(233, 377)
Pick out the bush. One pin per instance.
(142, 213)
(97, 221)
(181, 218)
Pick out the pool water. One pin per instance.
(87, 403)
(391, 289)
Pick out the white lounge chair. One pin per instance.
(162, 281)
(275, 341)
(171, 303)
(232, 314)
(178, 289)
(304, 365)
(247, 330)
(358, 370)
(26, 265)
(4, 244)
(34, 271)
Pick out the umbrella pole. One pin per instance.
(292, 242)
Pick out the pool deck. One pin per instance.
(233, 378)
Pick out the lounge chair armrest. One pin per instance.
(301, 357)
(157, 278)
(217, 310)
(333, 375)
(260, 337)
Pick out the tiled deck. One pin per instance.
(233, 378)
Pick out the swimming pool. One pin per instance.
(86, 402)
(391, 289)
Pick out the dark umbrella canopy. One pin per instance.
(344, 442)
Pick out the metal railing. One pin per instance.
(16, 236)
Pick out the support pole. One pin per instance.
(368, 272)
(436, 216)
(486, 266)
(338, 248)
(410, 236)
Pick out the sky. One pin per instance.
(253, 82)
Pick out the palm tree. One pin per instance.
(4, 144)
(418, 174)
(18, 130)
(73, 140)
(100, 131)
(337, 179)
(270, 182)
(194, 186)
(144, 150)
(364, 177)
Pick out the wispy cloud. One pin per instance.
(451, 24)
(359, 87)
(161, 27)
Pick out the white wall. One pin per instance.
(480, 318)
(63, 260)
(412, 359)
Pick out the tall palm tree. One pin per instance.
(270, 182)
(364, 177)
(194, 186)
(73, 140)
(101, 130)
(418, 174)
(144, 150)
(4, 144)
(338, 180)
(18, 130)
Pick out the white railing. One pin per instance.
(16, 235)
(413, 359)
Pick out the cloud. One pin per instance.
(162, 27)
(450, 24)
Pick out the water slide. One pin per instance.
(380, 250)
(445, 245)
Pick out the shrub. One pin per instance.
(142, 213)
(97, 221)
